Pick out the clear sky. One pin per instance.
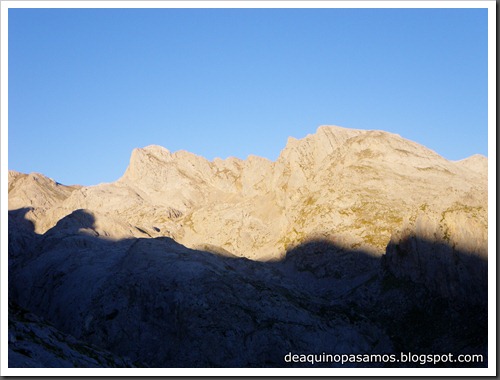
(86, 86)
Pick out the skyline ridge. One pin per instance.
(290, 140)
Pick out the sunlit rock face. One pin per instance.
(352, 241)
(354, 187)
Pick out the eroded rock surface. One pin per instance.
(189, 262)
(351, 186)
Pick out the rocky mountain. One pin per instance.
(350, 186)
(253, 259)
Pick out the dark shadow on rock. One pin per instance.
(454, 274)
(75, 222)
(35, 343)
(161, 304)
(22, 236)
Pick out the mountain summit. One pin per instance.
(350, 242)
(353, 187)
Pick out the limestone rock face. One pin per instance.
(352, 241)
(353, 187)
(35, 190)
(38, 193)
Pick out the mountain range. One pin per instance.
(341, 244)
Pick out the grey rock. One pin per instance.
(351, 242)
(35, 343)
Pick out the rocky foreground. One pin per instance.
(351, 242)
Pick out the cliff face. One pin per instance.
(351, 241)
(445, 252)
(353, 187)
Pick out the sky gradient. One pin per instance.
(86, 86)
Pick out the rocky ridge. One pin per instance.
(253, 259)
(353, 187)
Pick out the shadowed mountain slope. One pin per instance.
(157, 303)
(351, 242)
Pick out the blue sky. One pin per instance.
(86, 86)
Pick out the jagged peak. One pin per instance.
(338, 129)
(164, 154)
(310, 152)
(320, 169)
(326, 140)
(326, 131)
(155, 150)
